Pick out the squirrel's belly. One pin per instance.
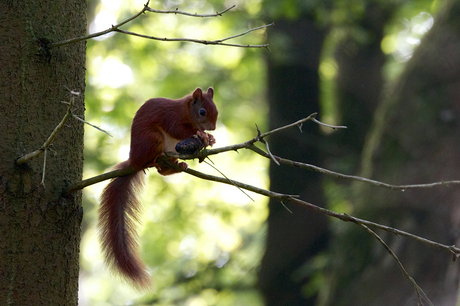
(170, 143)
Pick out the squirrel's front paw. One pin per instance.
(208, 139)
(184, 166)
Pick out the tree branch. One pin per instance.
(199, 41)
(53, 134)
(177, 12)
(306, 166)
(116, 28)
(165, 162)
(248, 31)
(250, 144)
(56, 130)
(344, 217)
(420, 293)
(98, 179)
(454, 251)
(86, 37)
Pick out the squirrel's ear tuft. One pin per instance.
(210, 92)
(198, 93)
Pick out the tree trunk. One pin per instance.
(415, 139)
(359, 85)
(293, 93)
(39, 227)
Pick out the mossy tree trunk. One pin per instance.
(39, 227)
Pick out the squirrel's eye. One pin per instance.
(202, 112)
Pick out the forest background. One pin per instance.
(388, 70)
(347, 60)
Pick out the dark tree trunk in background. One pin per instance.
(415, 139)
(293, 93)
(40, 228)
(294, 239)
(359, 86)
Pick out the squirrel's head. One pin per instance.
(203, 111)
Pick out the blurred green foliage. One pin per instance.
(202, 241)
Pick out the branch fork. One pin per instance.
(45, 147)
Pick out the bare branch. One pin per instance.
(116, 28)
(311, 117)
(453, 250)
(334, 127)
(420, 293)
(92, 125)
(164, 160)
(344, 217)
(248, 31)
(267, 147)
(98, 179)
(86, 37)
(56, 130)
(177, 12)
(306, 166)
(221, 173)
(44, 168)
(198, 41)
(250, 144)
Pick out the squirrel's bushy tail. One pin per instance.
(118, 219)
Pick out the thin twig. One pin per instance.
(47, 143)
(198, 41)
(306, 166)
(311, 117)
(334, 127)
(44, 168)
(267, 147)
(177, 12)
(284, 205)
(92, 125)
(420, 293)
(221, 173)
(46, 146)
(248, 31)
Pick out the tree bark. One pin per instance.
(40, 228)
(415, 139)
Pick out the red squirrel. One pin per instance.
(157, 127)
